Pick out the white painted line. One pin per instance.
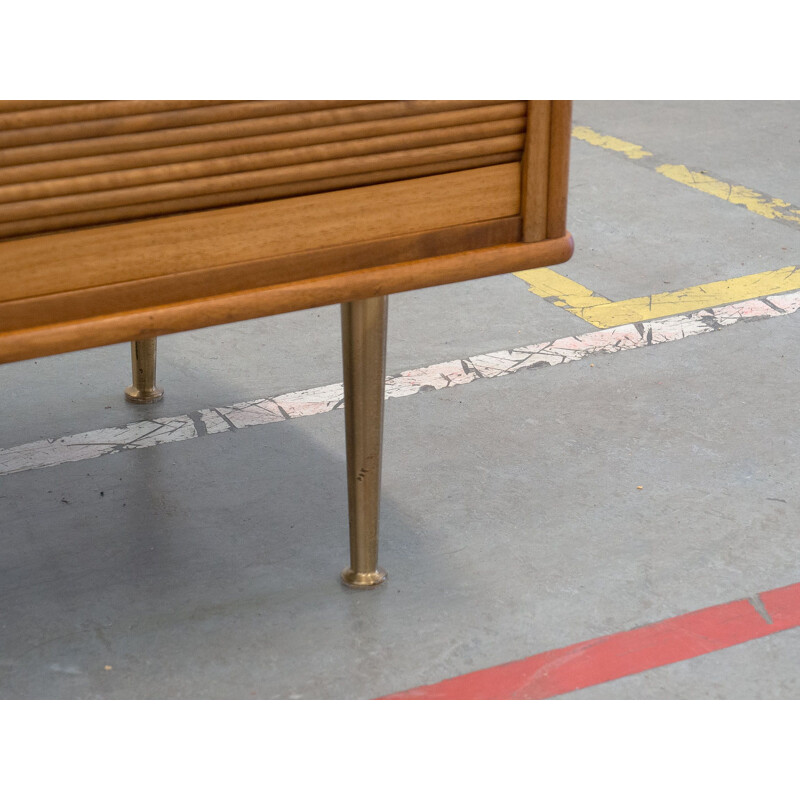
(81, 446)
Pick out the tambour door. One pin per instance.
(72, 165)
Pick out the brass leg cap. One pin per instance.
(134, 395)
(363, 580)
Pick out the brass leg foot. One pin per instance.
(364, 355)
(363, 580)
(143, 369)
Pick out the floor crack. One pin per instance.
(758, 605)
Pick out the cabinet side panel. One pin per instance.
(535, 172)
(560, 133)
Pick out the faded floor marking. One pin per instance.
(50, 452)
(758, 203)
(751, 199)
(603, 313)
(561, 291)
(629, 149)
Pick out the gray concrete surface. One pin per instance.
(226, 364)
(750, 143)
(765, 669)
(661, 235)
(511, 519)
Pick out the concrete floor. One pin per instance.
(511, 521)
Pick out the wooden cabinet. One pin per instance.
(127, 220)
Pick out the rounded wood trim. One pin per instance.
(237, 306)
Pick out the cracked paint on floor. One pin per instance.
(322, 399)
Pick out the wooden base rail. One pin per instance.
(35, 342)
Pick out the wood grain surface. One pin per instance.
(256, 274)
(92, 163)
(79, 259)
(535, 168)
(372, 282)
(253, 142)
(144, 211)
(300, 116)
(558, 180)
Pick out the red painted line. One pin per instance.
(626, 653)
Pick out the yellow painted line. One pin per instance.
(603, 313)
(629, 149)
(769, 207)
(752, 200)
(561, 291)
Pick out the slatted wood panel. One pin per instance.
(66, 165)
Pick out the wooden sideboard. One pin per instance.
(128, 220)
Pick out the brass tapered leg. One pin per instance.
(143, 368)
(364, 355)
